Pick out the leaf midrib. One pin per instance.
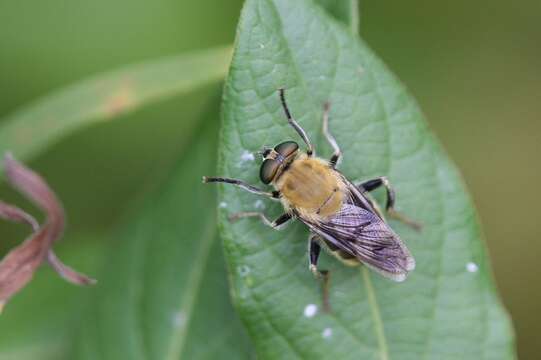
(378, 324)
(376, 314)
(191, 292)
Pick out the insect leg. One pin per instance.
(250, 188)
(276, 224)
(330, 139)
(324, 275)
(295, 124)
(373, 184)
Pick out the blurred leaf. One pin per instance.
(108, 96)
(39, 321)
(346, 11)
(164, 293)
(448, 308)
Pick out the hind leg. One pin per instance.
(373, 184)
(323, 275)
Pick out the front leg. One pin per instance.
(324, 275)
(276, 224)
(330, 139)
(294, 124)
(373, 184)
(250, 188)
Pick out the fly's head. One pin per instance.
(276, 160)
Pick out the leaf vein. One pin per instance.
(191, 292)
(376, 315)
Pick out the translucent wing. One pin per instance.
(358, 230)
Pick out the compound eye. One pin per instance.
(268, 170)
(286, 148)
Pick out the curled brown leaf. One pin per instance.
(18, 266)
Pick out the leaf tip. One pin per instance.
(67, 273)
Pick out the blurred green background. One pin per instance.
(473, 67)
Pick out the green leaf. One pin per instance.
(442, 311)
(108, 96)
(164, 293)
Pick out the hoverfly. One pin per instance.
(341, 216)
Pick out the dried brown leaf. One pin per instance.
(18, 266)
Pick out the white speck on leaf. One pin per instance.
(222, 205)
(327, 333)
(259, 204)
(310, 310)
(246, 156)
(472, 267)
(179, 319)
(261, 46)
